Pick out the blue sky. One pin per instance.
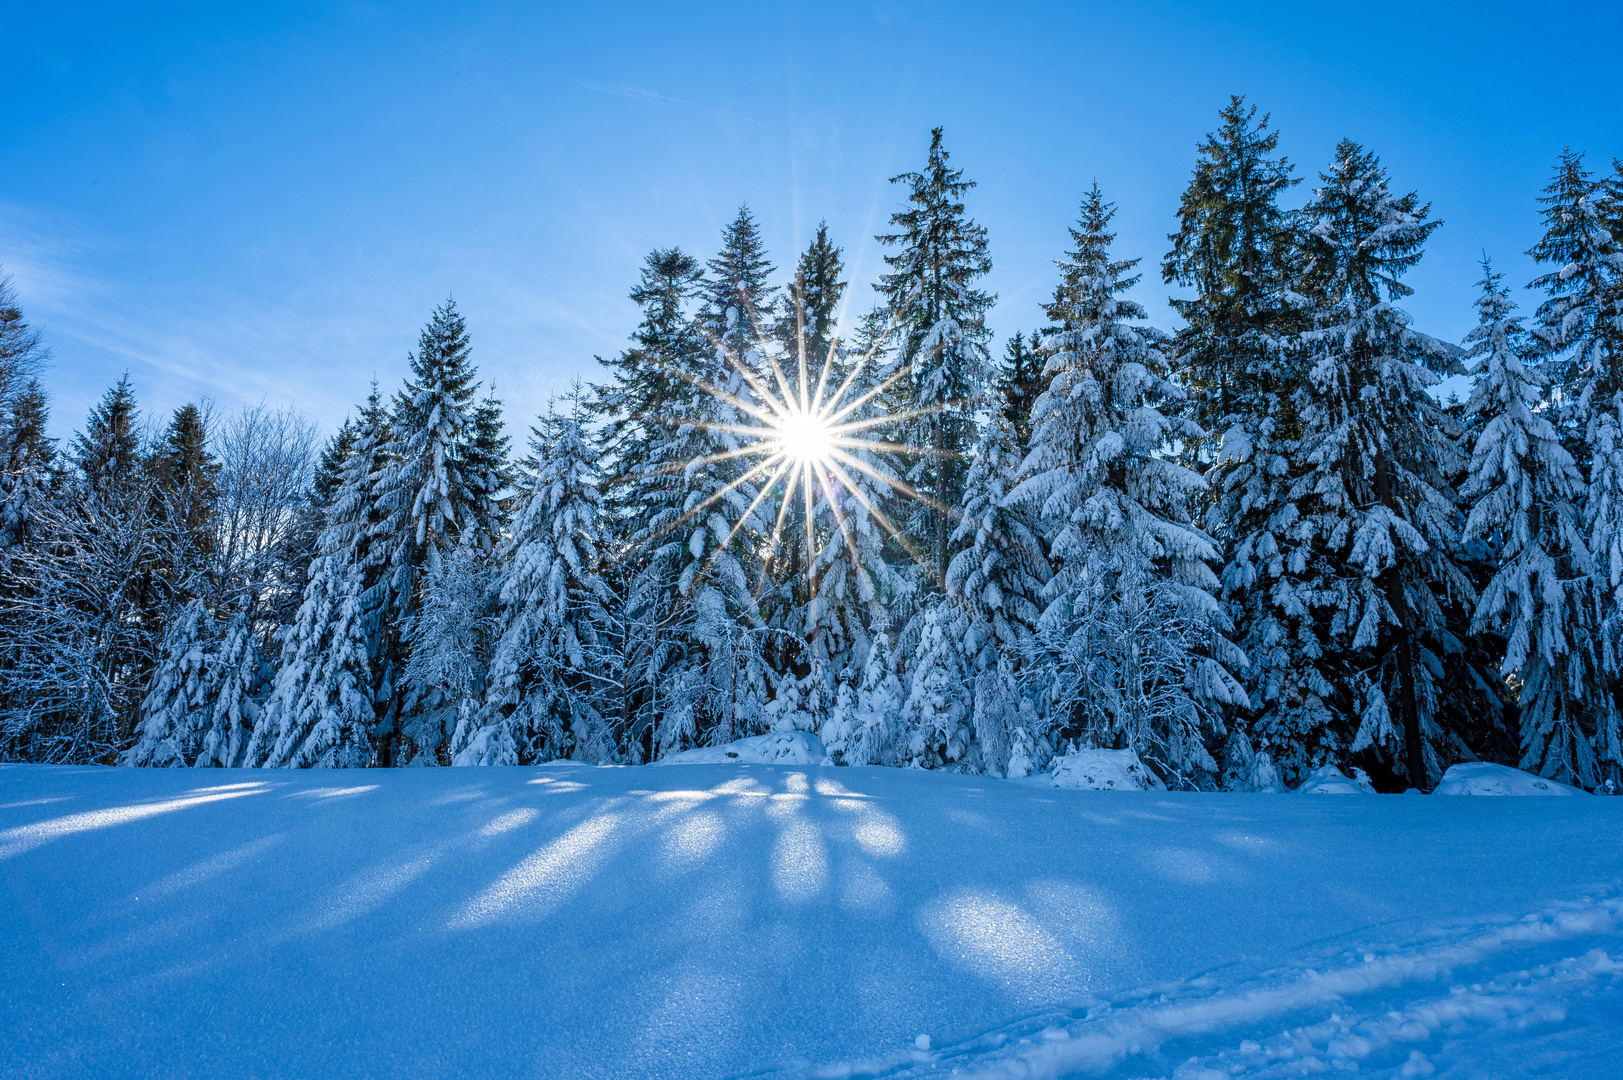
(266, 204)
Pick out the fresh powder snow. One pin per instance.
(792, 921)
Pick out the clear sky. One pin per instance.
(265, 201)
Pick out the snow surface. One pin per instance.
(792, 921)
(775, 748)
(1329, 780)
(1486, 778)
(1098, 770)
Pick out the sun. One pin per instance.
(805, 437)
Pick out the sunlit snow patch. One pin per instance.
(778, 748)
(1099, 770)
(1486, 778)
(1329, 780)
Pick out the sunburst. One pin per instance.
(803, 442)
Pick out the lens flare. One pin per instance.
(810, 440)
(805, 437)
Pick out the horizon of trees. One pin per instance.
(1244, 548)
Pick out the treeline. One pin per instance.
(1246, 548)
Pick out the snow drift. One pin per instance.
(774, 748)
(1099, 770)
(1486, 778)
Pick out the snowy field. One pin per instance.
(790, 921)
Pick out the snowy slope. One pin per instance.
(726, 920)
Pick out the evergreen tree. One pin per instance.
(1581, 321)
(321, 712)
(1019, 382)
(241, 685)
(330, 466)
(1115, 514)
(738, 301)
(813, 369)
(811, 305)
(1580, 334)
(1526, 490)
(107, 453)
(334, 660)
(554, 654)
(177, 707)
(1376, 526)
(450, 633)
(940, 315)
(433, 492)
(1233, 247)
(26, 458)
(1000, 575)
(936, 716)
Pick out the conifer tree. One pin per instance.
(939, 314)
(434, 491)
(178, 706)
(1581, 322)
(1526, 491)
(1115, 514)
(334, 681)
(1376, 524)
(1020, 380)
(554, 654)
(1233, 247)
(1000, 571)
(1580, 334)
(812, 364)
(107, 453)
(738, 301)
(26, 459)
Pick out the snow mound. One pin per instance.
(1329, 780)
(777, 748)
(1486, 778)
(1099, 770)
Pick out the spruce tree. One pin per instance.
(26, 459)
(1233, 248)
(1580, 327)
(1001, 570)
(1526, 490)
(1131, 573)
(940, 315)
(737, 312)
(1376, 527)
(554, 657)
(1020, 380)
(433, 492)
(107, 453)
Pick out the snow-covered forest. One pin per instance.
(1244, 547)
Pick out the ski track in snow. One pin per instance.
(1400, 1011)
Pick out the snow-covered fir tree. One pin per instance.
(939, 315)
(333, 679)
(435, 490)
(1542, 598)
(1580, 339)
(1115, 515)
(1020, 380)
(450, 634)
(1376, 527)
(1001, 569)
(1234, 247)
(555, 659)
(178, 705)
